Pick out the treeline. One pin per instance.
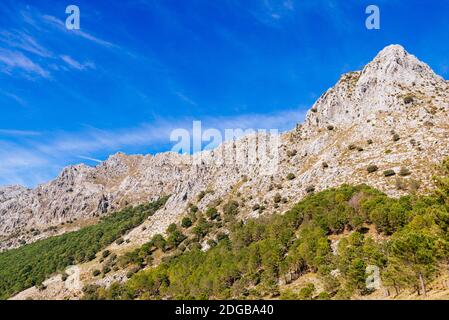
(31, 264)
(257, 257)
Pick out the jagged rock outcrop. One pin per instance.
(393, 113)
(380, 88)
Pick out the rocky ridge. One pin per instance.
(393, 114)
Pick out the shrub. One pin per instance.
(221, 236)
(291, 153)
(96, 272)
(132, 271)
(195, 245)
(389, 173)
(325, 165)
(186, 222)
(404, 172)
(288, 295)
(175, 238)
(396, 137)
(172, 228)
(352, 147)
(105, 253)
(323, 296)
(306, 293)
(90, 256)
(193, 209)
(119, 241)
(202, 228)
(41, 287)
(408, 99)
(201, 195)
(256, 207)
(231, 208)
(211, 243)
(159, 241)
(212, 213)
(372, 168)
(330, 127)
(369, 141)
(310, 189)
(291, 176)
(277, 198)
(106, 269)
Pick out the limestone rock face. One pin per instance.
(380, 87)
(394, 113)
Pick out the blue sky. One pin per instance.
(138, 69)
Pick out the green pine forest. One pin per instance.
(255, 259)
(31, 264)
(406, 238)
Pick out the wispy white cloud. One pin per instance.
(90, 159)
(77, 65)
(19, 133)
(25, 51)
(31, 17)
(15, 60)
(49, 153)
(83, 34)
(14, 97)
(21, 40)
(97, 140)
(185, 98)
(20, 165)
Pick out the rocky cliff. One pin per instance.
(392, 115)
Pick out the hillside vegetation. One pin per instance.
(31, 264)
(257, 258)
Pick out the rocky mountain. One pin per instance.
(391, 118)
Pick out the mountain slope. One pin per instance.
(392, 114)
(320, 248)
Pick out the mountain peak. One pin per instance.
(379, 87)
(395, 91)
(393, 50)
(395, 64)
